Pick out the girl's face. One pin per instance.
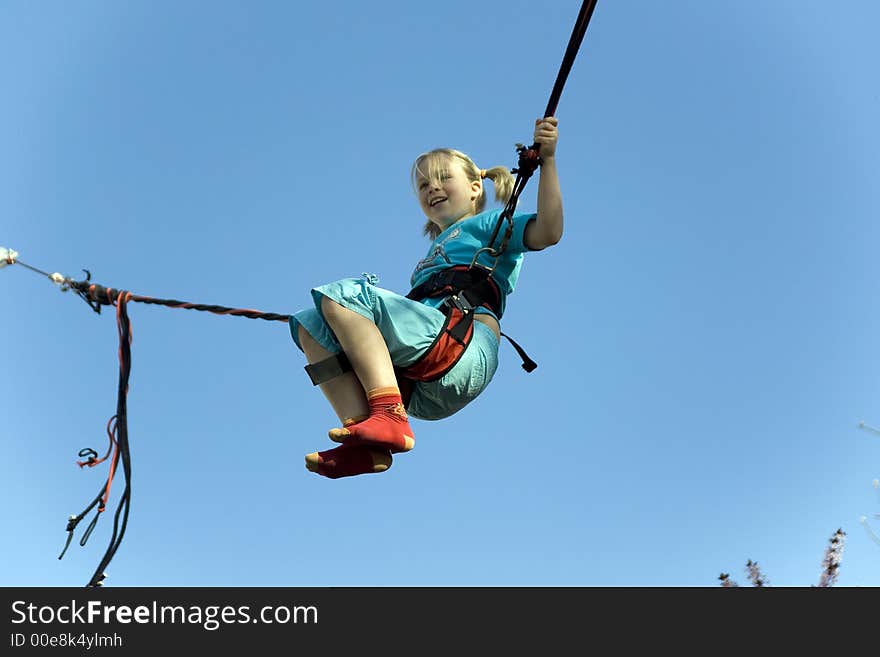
(451, 196)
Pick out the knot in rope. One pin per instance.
(529, 161)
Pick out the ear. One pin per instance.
(476, 189)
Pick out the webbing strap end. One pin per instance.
(527, 363)
(329, 368)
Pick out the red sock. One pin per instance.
(348, 461)
(347, 422)
(387, 426)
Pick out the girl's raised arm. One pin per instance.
(546, 230)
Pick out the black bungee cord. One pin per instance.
(529, 157)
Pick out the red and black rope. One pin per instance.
(98, 295)
(117, 428)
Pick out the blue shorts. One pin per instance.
(409, 329)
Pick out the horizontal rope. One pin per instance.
(98, 295)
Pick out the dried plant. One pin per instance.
(755, 575)
(726, 582)
(831, 562)
(830, 566)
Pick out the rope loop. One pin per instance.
(91, 457)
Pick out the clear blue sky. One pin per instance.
(706, 331)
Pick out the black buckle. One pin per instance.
(461, 302)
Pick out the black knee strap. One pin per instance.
(329, 368)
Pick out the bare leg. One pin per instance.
(347, 397)
(345, 393)
(363, 344)
(360, 338)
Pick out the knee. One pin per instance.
(330, 309)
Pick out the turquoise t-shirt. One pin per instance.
(459, 242)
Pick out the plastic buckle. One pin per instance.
(460, 301)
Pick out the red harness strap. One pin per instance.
(447, 350)
(467, 289)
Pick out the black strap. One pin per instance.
(476, 283)
(459, 331)
(329, 368)
(527, 363)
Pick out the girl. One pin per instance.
(380, 357)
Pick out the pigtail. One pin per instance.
(502, 180)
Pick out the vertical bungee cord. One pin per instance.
(574, 44)
(529, 158)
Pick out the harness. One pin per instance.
(466, 288)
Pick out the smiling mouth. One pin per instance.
(437, 200)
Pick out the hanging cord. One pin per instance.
(97, 296)
(529, 157)
(117, 431)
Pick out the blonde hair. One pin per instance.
(430, 166)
